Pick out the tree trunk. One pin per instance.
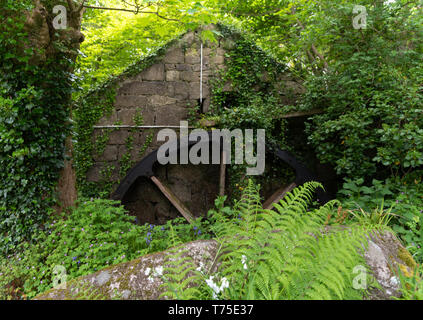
(42, 35)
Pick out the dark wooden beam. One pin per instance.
(222, 174)
(173, 199)
(297, 114)
(278, 196)
(301, 114)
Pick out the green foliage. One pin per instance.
(402, 198)
(412, 285)
(367, 81)
(371, 93)
(285, 253)
(86, 114)
(253, 100)
(96, 234)
(125, 161)
(180, 277)
(279, 252)
(358, 195)
(147, 143)
(252, 75)
(378, 218)
(34, 123)
(114, 39)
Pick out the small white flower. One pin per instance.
(200, 268)
(147, 271)
(225, 284)
(244, 262)
(158, 271)
(394, 281)
(209, 281)
(212, 285)
(216, 289)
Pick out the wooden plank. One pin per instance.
(301, 114)
(137, 127)
(210, 123)
(222, 174)
(278, 195)
(207, 122)
(173, 199)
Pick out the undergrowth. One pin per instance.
(286, 253)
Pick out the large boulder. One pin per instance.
(141, 278)
(386, 256)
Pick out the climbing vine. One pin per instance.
(126, 161)
(147, 143)
(89, 109)
(87, 113)
(35, 88)
(101, 141)
(246, 95)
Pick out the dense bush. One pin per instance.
(402, 198)
(371, 92)
(368, 83)
(33, 127)
(253, 76)
(367, 78)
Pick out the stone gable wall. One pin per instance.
(163, 94)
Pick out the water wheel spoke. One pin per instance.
(278, 195)
(183, 210)
(222, 174)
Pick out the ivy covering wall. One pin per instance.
(252, 93)
(34, 123)
(257, 96)
(89, 109)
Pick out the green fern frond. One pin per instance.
(283, 253)
(293, 257)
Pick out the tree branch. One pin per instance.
(317, 53)
(81, 6)
(71, 5)
(162, 17)
(107, 8)
(135, 11)
(313, 47)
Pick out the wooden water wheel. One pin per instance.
(146, 169)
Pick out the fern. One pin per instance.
(284, 253)
(289, 256)
(180, 277)
(85, 291)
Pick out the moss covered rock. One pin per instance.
(139, 279)
(385, 256)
